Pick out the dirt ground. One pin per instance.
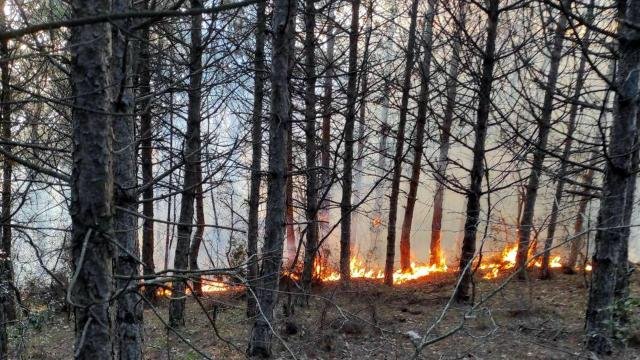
(525, 320)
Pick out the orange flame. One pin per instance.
(208, 287)
(507, 260)
(491, 268)
(359, 270)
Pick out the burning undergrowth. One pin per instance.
(491, 266)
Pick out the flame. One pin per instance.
(491, 268)
(359, 270)
(214, 286)
(554, 262)
(507, 260)
(163, 292)
(208, 287)
(509, 255)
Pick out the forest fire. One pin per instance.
(208, 287)
(507, 260)
(490, 268)
(359, 270)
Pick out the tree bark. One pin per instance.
(327, 110)
(290, 249)
(564, 163)
(192, 159)
(8, 299)
(170, 228)
(350, 119)
(310, 149)
(385, 129)
(194, 250)
(129, 320)
(568, 267)
(621, 292)
(612, 237)
(477, 170)
(418, 146)
(146, 159)
(539, 153)
(4, 336)
(7, 303)
(435, 246)
(256, 157)
(362, 111)
(399, 154)
(283, 23)
(92, 183)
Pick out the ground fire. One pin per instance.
(492, 267)
(209, 286)
(507, 260)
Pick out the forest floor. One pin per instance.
(525, 320)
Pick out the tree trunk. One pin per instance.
(91, 183)
(256, 157)
(399, 155)
(349, 123)
(146, 159)
(4, 336)
(385, 128)
(194, 250)
(418, 146)
(544, 126)
(290, 249)
(435, 248)
(8, 299)
(7, 303)
(621, 292)
(568, 267)
(477, 170)
(310, 149)
(360, 135)
(129, 305)
(170, 204)
(325, 144)
(566, 153)
(283, 23)
(192, 159)
(612, 237)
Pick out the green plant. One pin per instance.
(626, 322)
